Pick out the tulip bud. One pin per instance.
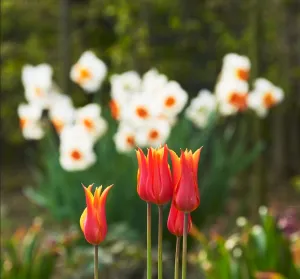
(175, 221)
(154, 182)
(93, 219)
(185, 180)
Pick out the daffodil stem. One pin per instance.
(149, 253)
(160, 238)
(184, 246)
(96, 271)
(177, 252)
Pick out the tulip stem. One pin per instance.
(160, 238)
(177, 252)
(96, 271)
(149, 253)
(184, 245)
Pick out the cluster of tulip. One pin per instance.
(156, 184)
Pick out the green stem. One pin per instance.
(160, 237)
(177, 252)
(96, 271)
(184, 245)
(149, 253)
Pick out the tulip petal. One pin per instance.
(186, 193)
(97, 197)
(176, 168)
(142, 175)
(196, 157)
(83, 219)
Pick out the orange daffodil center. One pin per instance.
(242, 74)
(170, 101)
(88, 123)
(269, 100)
(115, 109)
(130, 140)
(76, 155)
(153, 134)
(238, 100)
(23, 122)
(93, 219)
(142, 112)
(84, 74)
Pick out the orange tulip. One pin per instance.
(93, 219)
(175, 221)
(154, 181)
(185, 179)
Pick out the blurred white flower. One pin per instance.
(241, 221)
(201, 107)
(125, 138)
(57, 98)
(123, 89)
(153, 82)
(124, 84)
(232, 241)
(140, 110)
(202, 256)
(235, 67)
(264, 96)
(263, 210)
(37, 81)
(172, 98)
(30, 121)
(154, 133)
(257, 229)
(61, 115)
(89, 117)
(76, 148)
(89, 72)
(232, 96)
(237, 252)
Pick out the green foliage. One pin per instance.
(30, 254)
(259, 251)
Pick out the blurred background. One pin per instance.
(186, 41)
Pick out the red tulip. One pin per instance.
(154, 181)
(175, 221)
(185, 179)
(93, 219)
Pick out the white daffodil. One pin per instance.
(89, 117)
(235, 67)
(172, 99)
(141, 109)
(37, 81)
(264, 96)
(76, 148)
(124, 84)
(232, 96)
(154, 133)
(153, 82)
(30, 121)
(89, 72)
(201, 107)
(123, 89)
(125, 138)
(57, 98)
(61, 115)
